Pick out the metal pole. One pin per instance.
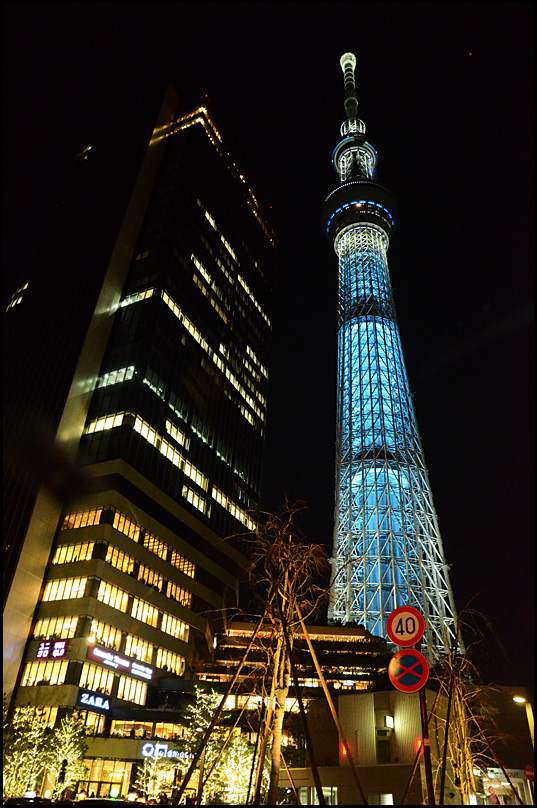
(426, 748)
(446, 739)
(426, 742)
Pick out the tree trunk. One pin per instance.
(283, 679)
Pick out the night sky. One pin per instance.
(446, 92)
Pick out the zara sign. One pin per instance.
(93, 700)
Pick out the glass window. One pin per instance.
(150, 577)
(126, 526)
(169, 731)
(113, 596)
(96, 678)
(155, 545)
(172, 625)
(52, 628)
(82, 519)
(119, 559)
(138, 648)
(169, 661)
(132, 729)
(179, 594)
(143, 611)
(93, 723)
(44, 673)
(45, 714)
(66, 553)
(105, 776)
(104, 634)
(64, 589)
(183, 564)
(131, 690)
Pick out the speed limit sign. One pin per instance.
(405, 626)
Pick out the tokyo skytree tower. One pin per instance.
(387, 546)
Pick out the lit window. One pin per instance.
(126, 526)
(167, 660)
(175, 627)
(64, 589)
(67, 553)
(131, 690)
(62, 628)
(44, 673)
(119, 559)
(82, 519)
(143, 611)
(113, 596)
(94, 677)
(116, 376)
(104, 634)
(138, 648)
(233, 509)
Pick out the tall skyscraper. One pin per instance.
(387, 546)
(128, 548)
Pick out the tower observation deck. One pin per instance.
(387, 546)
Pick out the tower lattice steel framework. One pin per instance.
(387, 546)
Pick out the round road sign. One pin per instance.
(408, 670)
(405, 626)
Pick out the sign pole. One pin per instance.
(426, 743)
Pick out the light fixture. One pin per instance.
(519, 699)
(388, 721)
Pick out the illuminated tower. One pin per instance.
(387, 546)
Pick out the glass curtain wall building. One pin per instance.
(116, 589)
(387, 546)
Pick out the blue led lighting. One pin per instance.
(358, 203)
(387, 546)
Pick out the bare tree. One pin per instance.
(465, 714)
(287, 574)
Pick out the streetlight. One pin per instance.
(529, 714)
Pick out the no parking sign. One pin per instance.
(408, 670)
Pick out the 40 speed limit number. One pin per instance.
(405, 626)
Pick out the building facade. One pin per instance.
(121, 573)
(387, 546)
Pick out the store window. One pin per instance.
(107, 778)
(308, 795)
(132, 729)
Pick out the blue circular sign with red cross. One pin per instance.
(405, 626)
(408, 670)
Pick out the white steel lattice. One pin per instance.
(387, 546)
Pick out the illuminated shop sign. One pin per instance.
(121, 663)
(52, 650)
(93, 700)
(162, 750)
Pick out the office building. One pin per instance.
(129, 551)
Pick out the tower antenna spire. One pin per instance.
(348, 65)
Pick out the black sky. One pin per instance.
(446, 92)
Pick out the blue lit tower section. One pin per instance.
(387, 546)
